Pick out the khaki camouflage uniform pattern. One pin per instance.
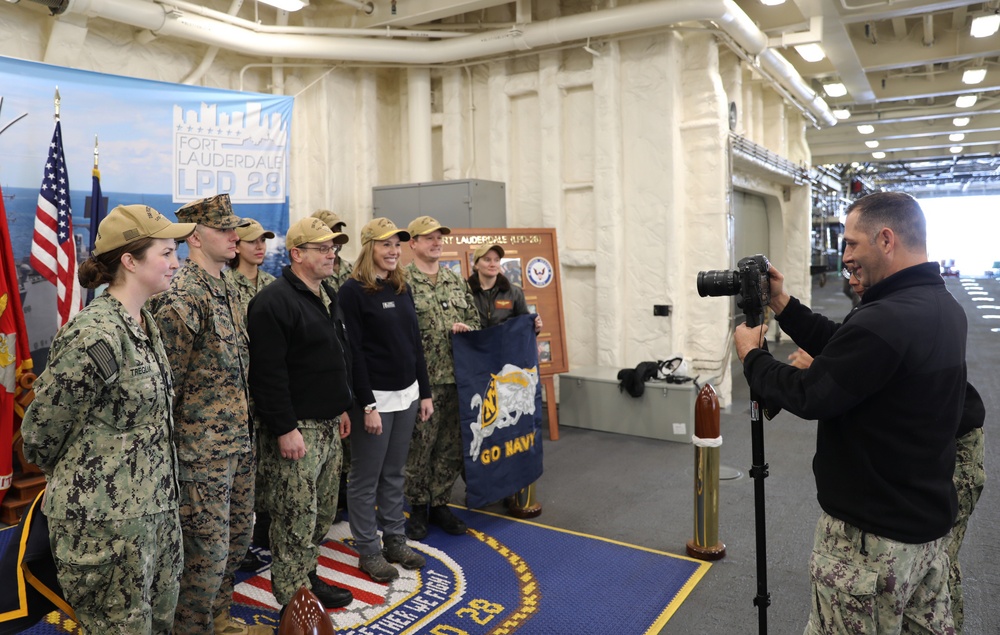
(435, 459)
(246, 288)
(205, 339)
(969, 479)
(100, 428)
(246, 291)
(302, 496)
(863, 583)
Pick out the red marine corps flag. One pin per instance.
(53, 248)
(15, 352)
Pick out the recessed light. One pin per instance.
(810, 52)
(955, 149)
(842, 114)
(774, 3)
(974, 76)
(871, 144)
(835, 89)
(985, 25)
(866, 128)
(966, 101)
(960, 121)
(956, 136)
(878, 155)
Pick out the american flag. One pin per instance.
(53, 248)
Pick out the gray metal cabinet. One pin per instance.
(470, 203)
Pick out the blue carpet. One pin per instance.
(506, 576)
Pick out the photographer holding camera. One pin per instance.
(887, 387)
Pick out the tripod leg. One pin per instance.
(758, 472)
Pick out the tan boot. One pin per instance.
(226, 625)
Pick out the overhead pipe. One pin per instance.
(725, 14)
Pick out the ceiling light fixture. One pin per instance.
(810, 52)
(985, 25)
(960, 121)
(955, 149)
(871, 144)
(842, 114)
(835, 89)
(966, 101)
(774, 3)
(878, 155)
(956, 136)
(287, 5)
(866, 128)
(974, 76)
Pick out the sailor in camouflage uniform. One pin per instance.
(244, 269)
(444, 306)
(100, 429)
(341, 268)
(246, 275)
(205, 339)
(299, 376)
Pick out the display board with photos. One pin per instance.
(531, 261)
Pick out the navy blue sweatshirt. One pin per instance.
(385, 340)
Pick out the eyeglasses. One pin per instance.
(325, 249)
(847, 273)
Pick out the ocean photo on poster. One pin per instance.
(159, 144)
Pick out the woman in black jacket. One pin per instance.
(496, 298)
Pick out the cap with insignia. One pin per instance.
(214, 211)
(380, 229)
(331, 219)
(423, 225)
(253, 231)
(128, 223)
(312, 230)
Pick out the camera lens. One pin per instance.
(716, 283)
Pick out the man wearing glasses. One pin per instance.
(299, 370)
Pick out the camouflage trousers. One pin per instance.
(970, 476)
(435, 459)
(302, 496)
(120, 576)
(216, 518)
(863, 583)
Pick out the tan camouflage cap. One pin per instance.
(331, 219)
(312, 230)
(482, 249)
(424, 225)
(214, 211)
(380, 229)
(128, 223)
(253, 231)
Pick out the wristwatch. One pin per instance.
(369, 409)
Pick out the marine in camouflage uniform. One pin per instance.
(205, 339)
(442, 301)
(246, 288)
(100, 428)
(299, 377)
(341, 272)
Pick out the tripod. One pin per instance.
(759, 471)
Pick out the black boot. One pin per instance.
(416, 524)
(332, 597)
(442, 517)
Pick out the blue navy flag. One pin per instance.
(500, 408)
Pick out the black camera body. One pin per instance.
(750, 283)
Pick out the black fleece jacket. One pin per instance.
(299, 358)
(888, 388)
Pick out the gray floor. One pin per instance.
(639, 491)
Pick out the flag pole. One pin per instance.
(96, 203)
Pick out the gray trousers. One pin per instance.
(375, 486)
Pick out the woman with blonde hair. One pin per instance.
(100, 428)
(390, 382)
